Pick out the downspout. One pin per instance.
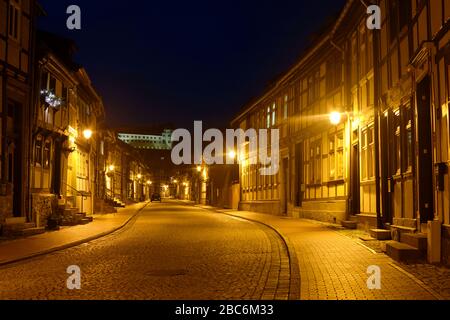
(4, 168)
(377, 102)
(32, 103)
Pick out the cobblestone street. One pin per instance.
(167, 251)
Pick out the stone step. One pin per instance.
(402, 252)
(18, 220)
(349, 224)
(71, 211)
(353, 218)
(32, 231)
(81, 214)
(29, 225)
(416, 240)
(380, 234)
(85, 221)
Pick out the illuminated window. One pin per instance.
(268, 117)
(409, 139)
(336, 156)
(274, 114)
(47, 154)
(367, 154)
(397, 142)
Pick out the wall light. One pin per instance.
(335, 118)
(87, 134)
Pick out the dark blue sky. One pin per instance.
(180, 61)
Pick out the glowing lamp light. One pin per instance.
(199, 168)
(175, 181)
(335, 118)
(139, 176)
(111, 168)
(87, 134)
(232, 154)
(149, 182)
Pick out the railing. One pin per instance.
(83, 194)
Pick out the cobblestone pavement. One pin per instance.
(334, 266)
(167, 252)
(436, 277)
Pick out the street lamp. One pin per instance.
(149, 182)
(232, 154)
(139, 176)
(335, 118)
(87, 134)
(111, 168)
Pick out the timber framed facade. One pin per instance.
(385, 163)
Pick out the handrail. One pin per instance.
(81, 193)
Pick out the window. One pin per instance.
(399, 16)
(367, 154)
(38, 152)
(409, 140)
(268, 117)
(14, 20)
(274, 114)
(285, 107)
(334, 72)
(47, 154)
(397, 142)
(336, 156)
(315, 162)
(313, 87)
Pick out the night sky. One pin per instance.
(180, 61)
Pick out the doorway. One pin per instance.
(15, 170)
(56, 172)
(355, 188)
(425, 154)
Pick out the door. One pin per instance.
(425, 154)
(299, 187)
(355, 187)
(15, 170)
(56, 172)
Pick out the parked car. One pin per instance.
(156, 197)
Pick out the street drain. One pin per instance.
(167, 273)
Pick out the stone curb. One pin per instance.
(75, 243)
(294, 286)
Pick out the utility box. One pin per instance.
(434, 241)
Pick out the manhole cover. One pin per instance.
(167, 273)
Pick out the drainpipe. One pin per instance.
(377, 103)
(4, 168)
(33, 101)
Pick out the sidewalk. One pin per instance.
(20, 249)
(334, 266)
